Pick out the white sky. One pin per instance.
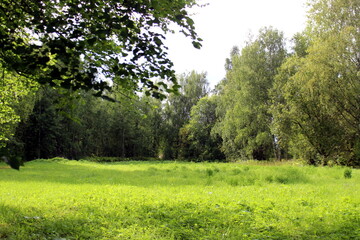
(226, 23)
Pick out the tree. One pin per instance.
(316, 98)
(204, 144)
(44, 132)
(176, 113)
(244, 109)
(85, 44)
(75, 127)
(234, 52)
(149, 127)
(15, 103)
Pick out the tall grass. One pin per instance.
(60, 199)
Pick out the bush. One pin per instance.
(348, 173)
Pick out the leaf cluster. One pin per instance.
(86, 44)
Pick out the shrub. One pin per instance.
(348, 173)
(209, 172)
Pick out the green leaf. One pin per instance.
(196, 45)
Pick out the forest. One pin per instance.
(112, 143)
(76, 87)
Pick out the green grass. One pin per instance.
(175, 200)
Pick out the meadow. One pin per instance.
(61, 200)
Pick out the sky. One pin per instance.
(227, 23)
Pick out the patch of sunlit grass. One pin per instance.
(61, 199)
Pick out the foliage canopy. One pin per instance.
(84, 44)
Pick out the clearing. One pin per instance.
(61, 199)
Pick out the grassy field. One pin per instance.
(58, 199)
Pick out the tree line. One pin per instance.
(279, 99)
